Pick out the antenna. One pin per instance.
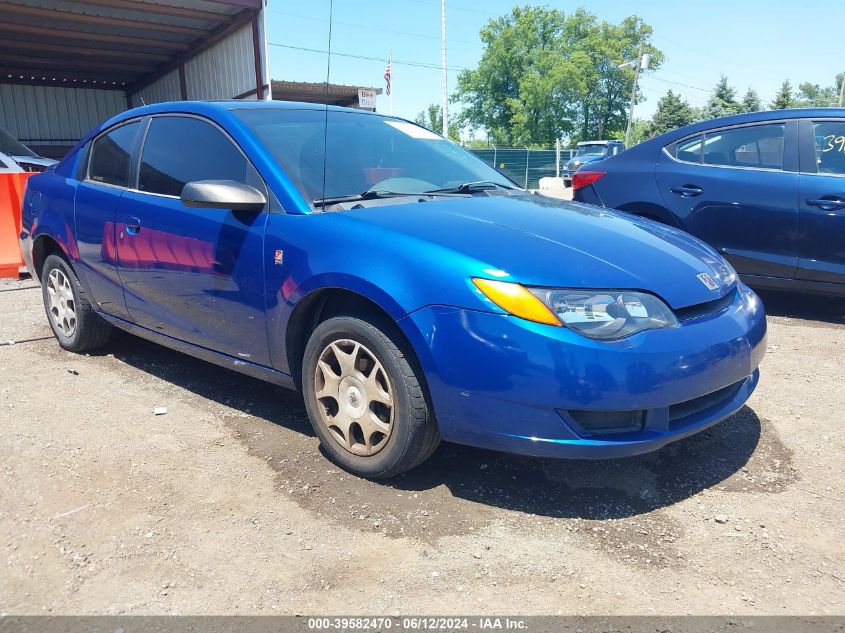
(143, 103)
(328, 77)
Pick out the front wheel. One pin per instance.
(366, 398)
(71, 316)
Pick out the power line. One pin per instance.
(366, 26)
(711, 56)
(677, 83)
(399, 62)
(458, 8)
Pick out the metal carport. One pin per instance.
(65, 65)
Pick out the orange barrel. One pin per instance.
(11, 197)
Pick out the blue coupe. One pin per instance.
(766, 189)
(408, 289)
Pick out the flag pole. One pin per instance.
(390, 65)
(444, 77)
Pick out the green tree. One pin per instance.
(672, 112)
(722, 102)
(814, 96)
(544, 75)
(783, 99)
(641, 130)
(751, 101)
(432, 118)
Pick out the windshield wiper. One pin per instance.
(472, 187)
(370, 194)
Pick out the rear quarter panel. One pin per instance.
(630, 184)
(48, 212)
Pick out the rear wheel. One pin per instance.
(71, 316)
(365, 398)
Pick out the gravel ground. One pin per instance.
(225, 504)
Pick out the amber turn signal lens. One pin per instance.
(516, 300)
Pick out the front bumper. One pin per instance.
(25, 245)
(507, 384)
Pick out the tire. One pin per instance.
(368, 365)
(72, 318)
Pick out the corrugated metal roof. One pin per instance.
(109, 43)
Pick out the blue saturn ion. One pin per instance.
(408, 289)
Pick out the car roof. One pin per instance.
(210, 109)
(736, 119)
(220, 106)
(760, 117)
(598, 142)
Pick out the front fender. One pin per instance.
(289, 295)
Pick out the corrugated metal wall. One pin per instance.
(165, 89)
(224, 71)
(44, 115)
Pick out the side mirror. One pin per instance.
(222, 194)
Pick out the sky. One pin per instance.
(754, 43)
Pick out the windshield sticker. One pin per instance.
(414, 131)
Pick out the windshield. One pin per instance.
(358, 152)
(591, 150)
(10, 145)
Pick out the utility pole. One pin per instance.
(633, 97)
(444, 77)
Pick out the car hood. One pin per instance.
(540, 241)
(35, 160)
(583, 160)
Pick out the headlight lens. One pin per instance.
(604, 315)
(730, 273)
(607, 314)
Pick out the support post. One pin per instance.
(633, 98)
(444, 76)
(527, 154)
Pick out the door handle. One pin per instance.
(133, 226)
(826, 204)
(688, 191)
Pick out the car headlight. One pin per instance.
(730, 273)
(607, 314)
(597, 314)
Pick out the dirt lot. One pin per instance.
(225, 503)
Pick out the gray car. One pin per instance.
(15, 156)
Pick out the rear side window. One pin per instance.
(179, 150)
(830, 146)
(111, 155)
(689, 150)
(82, 161)
(759, 146)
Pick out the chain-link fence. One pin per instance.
(524, 166)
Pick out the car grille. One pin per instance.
(603, 422)
(709, 307)
(678, 413)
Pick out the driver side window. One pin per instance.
(179, 150)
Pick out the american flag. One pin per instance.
(387, 78)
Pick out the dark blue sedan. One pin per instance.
(407, 288)
(767, 190)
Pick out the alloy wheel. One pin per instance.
(62, 304)
(355, 397)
